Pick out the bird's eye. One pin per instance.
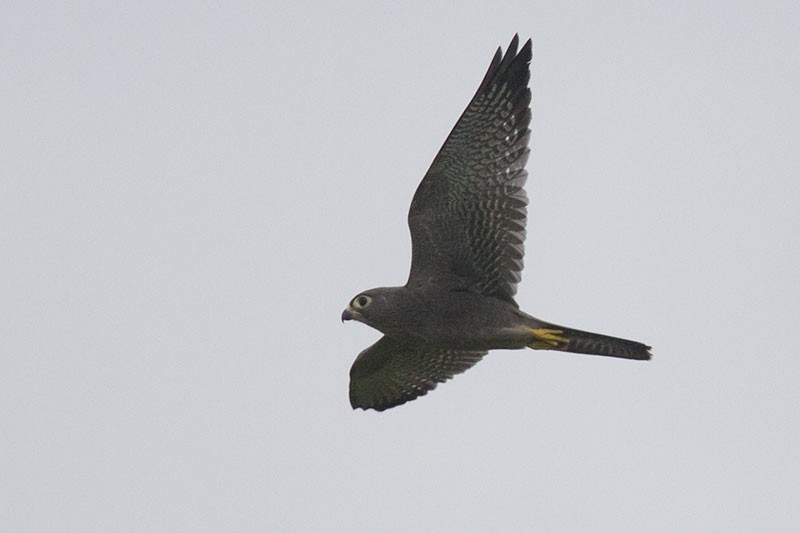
(359, 302)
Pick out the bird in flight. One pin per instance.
(467, 222)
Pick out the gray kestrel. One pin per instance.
(467, 222)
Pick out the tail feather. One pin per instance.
(552, 337)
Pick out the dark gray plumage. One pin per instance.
(467, 222)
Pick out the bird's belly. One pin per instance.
(461, 328)
(479, 339)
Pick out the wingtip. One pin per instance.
(527, 48)
(379, 405)
(513, 46)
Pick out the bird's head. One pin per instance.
(376, 307)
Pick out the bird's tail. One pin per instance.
(551, 337)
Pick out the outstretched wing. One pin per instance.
(467, 218)
(390, 373)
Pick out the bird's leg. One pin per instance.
(548, 339)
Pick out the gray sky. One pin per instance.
(190, 195)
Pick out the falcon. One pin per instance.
(467, 222)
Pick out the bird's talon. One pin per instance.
(547, 339)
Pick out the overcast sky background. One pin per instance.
(190, 195)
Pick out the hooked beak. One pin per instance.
(347, 314)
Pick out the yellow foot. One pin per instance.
(548, 339)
